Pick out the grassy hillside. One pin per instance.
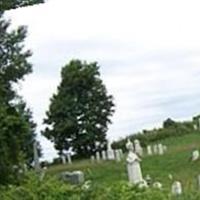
(176, 162)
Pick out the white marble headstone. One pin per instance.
(103, 153)
(195, 155)
(149, 150)
(176, 188)
(138, 148)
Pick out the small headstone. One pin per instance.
(195, 155)
(176, 188)
(133, 166)
(149, 150)
(143, 184)
(69, 160)
(198, 181)
(138, 148)
(76, 177)
(92, 158)
(117, 155)
(98, 156)
(110, 152)
(63, 159)
(103, 153)
(148, 179)
(157, 185)
(155, 149)
(160, 149)
(121, 153)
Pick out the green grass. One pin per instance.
(176, 162)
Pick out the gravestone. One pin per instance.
(155, 149)
(176, 188)
(69, 160)
(133, 165)
(92, 158)
(36, 157)
(76, 177)
(138, 148)
(103, 154)
(149, 150)
(110, 152)
(117, 155)
(121, 153)
(195, 155)
(98, 156)
(63, 159)
(157, 185)
(160, 149)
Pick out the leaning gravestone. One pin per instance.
(176, 188)
(133, 165)
(195, 155)
(76, 177)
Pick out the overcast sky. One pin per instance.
(149, 53)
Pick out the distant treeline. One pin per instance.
(169, 129)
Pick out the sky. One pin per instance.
(148, 53)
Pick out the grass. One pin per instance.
(176, 162)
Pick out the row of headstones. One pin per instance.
(157, 149)
(110, 154)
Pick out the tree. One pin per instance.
(17, 130)
(80, 110)
(12, 4)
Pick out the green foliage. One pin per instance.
(17, 129)
(12, 4)
(170, 129)
(80, 111)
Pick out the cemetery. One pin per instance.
(56, 138)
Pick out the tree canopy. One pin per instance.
(17, 129)
(80, 110)
(12, 4)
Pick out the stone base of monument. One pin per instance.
(75, 177)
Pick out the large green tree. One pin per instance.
(17, 129)
(80, 110)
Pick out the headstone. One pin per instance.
(103, 154)
(98, 156)
(36, 157)
(160, 149)
(149, 150)
(143, 184)
(155, 149)
(148, 179)
(69, 160)
(121, 153)
(157, 185)
(164, 148)
(176, 188)
(117, 155)
(76, 177)
(129, 145)
(133, 166)
(138, 148)
(198, 181)
(63, 159)
(195, 155)
(92, 158)
(110, 152)
(195, 127)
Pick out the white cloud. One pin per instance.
(149, 52)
